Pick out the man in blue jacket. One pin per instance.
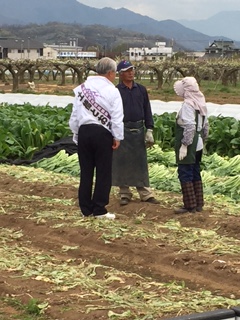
(130, 167)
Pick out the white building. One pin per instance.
(63, 50)
(159, 52)
(21, 49)
(16, 49)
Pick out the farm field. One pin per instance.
(147, 264)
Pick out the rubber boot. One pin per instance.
(198, 189)
(189, 199)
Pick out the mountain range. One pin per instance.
(72, 11)
(226, 23)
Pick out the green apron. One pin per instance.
(191, 149)
(130, 167)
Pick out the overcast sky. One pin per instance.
(169, 9)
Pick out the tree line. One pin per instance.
(224, 71)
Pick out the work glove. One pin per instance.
(182, 152)
(75, 138)
(149, 140)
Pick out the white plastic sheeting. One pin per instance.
(36, 99)
(225, 110)
(158, 106)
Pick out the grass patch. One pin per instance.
(31, 311)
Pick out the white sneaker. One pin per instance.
(108, 215)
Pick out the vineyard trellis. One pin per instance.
(225, 71)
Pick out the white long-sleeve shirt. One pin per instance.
(98, 101)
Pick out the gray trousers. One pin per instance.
(144, 193)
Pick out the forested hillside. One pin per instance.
(116, 40)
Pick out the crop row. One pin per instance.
(26, 129)
(220, 176)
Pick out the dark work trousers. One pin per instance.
(190, 172)
(94, 153)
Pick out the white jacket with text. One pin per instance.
(98, 101)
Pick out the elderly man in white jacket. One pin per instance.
(97, 125)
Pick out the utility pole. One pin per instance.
(22, 42)
(28, 44)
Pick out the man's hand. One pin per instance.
(182, 152)
(75, 138)
(116, 144)
(149, 140)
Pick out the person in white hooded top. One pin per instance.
(191, 132)
(97, 125)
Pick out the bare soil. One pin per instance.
(20, 202)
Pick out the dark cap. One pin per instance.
(124, 66)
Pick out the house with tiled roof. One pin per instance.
(221, 48)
